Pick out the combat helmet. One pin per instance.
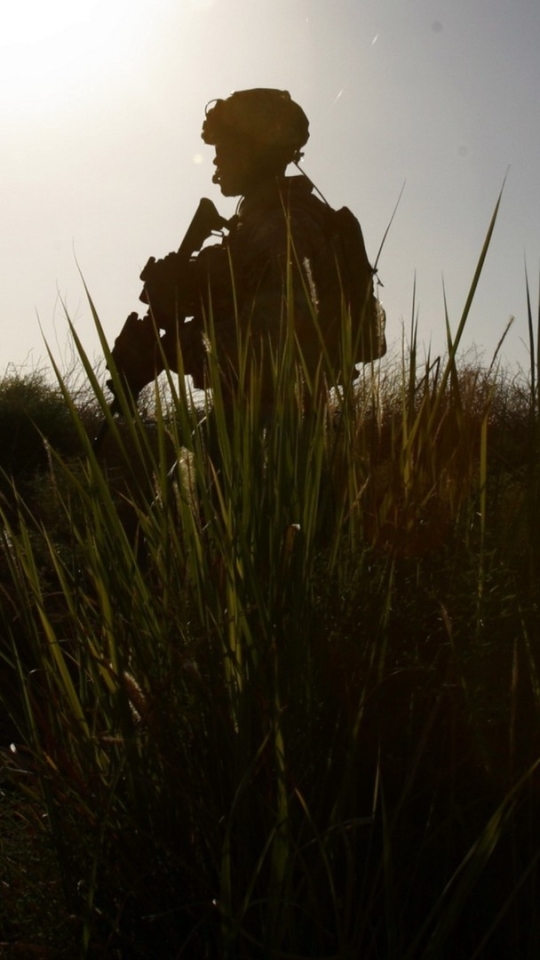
(270, 118)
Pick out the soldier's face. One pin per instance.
(237, 168)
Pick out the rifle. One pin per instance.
(165, 287)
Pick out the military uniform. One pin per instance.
(276, 264)
(288, 270)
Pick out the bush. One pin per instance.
(33, 414)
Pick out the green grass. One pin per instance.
(283, 701)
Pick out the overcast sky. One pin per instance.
(102, 164)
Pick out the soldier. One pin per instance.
(286, 262)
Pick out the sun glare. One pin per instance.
(51, 49)
(32, 21)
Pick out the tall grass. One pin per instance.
(289, 706)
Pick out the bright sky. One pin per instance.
(102, 164)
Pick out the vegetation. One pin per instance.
(284, 700)
(31, 411)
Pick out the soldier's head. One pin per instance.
(256, 134)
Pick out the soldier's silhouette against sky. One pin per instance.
(285, 256)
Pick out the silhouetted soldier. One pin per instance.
(286, 258)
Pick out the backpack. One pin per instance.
(368, 318)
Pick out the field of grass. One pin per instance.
(274, 684)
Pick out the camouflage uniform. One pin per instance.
(276, 262)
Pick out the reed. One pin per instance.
(290, 708)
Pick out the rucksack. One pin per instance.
(368, 318)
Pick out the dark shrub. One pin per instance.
(31, 411)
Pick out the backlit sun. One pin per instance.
(32, 21)
(51, 50)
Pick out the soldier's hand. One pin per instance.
(136, 352)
